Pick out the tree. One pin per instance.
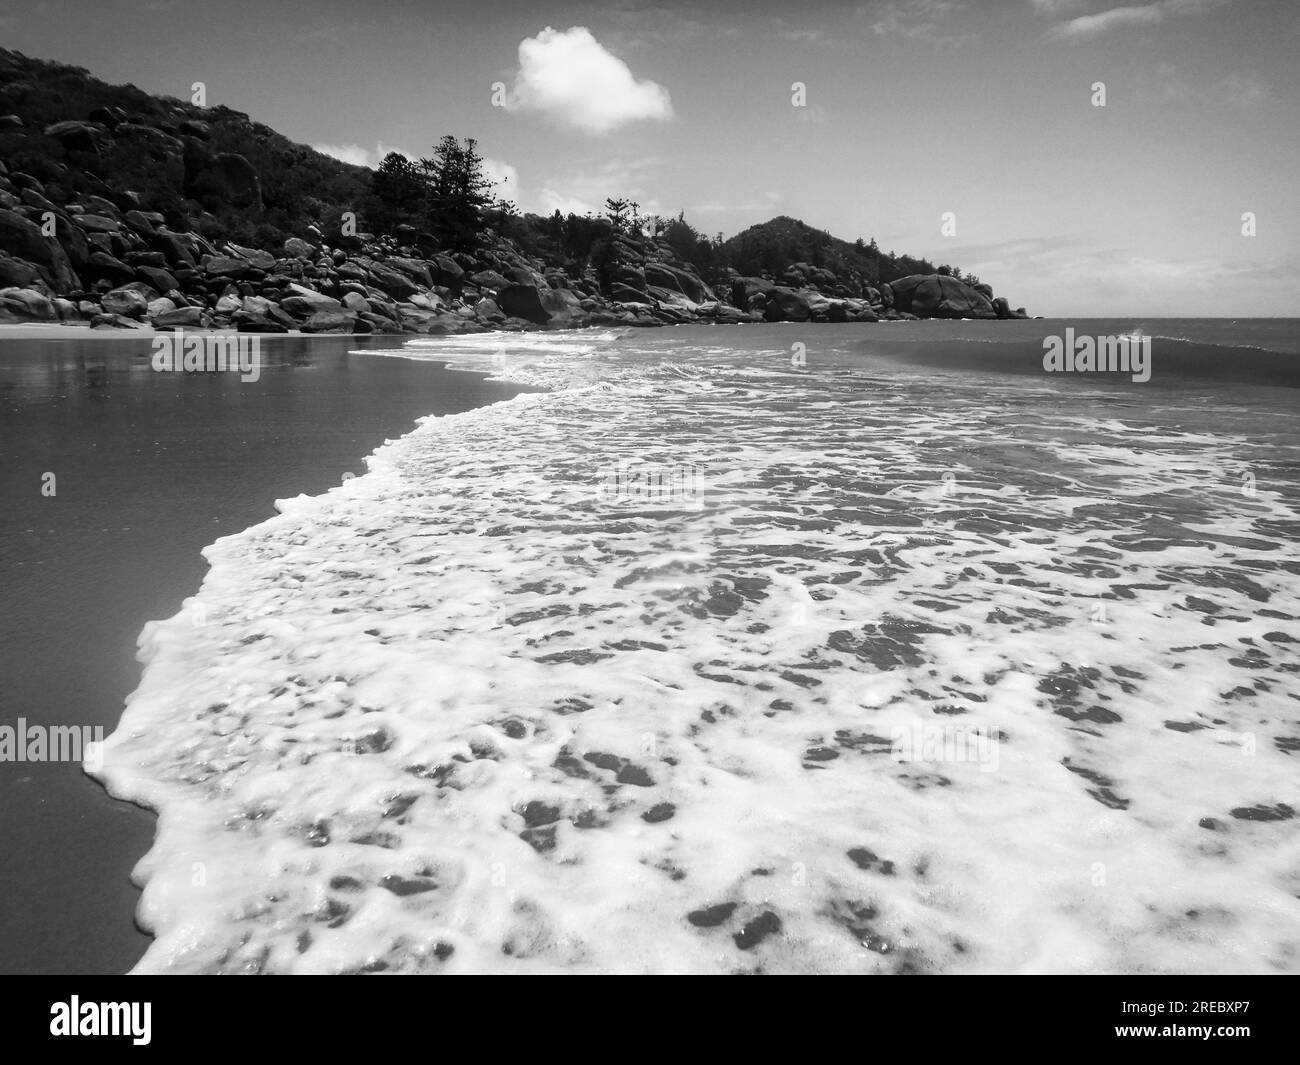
(400, 186)
(459, 195)
(617, 210)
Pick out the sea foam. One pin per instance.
(469, 712)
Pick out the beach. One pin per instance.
(150, 468)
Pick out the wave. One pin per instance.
(694, 663)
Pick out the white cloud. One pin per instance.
(504, 176)
(549, 201)
(345, 153)
(1135, 15)
(569, 77)
(359, 156)
(917, 19)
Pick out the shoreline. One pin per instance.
(127, 548)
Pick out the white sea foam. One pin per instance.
(469, 713)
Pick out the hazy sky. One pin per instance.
(913, 108)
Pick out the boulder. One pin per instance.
(326, 321)
(564, 308)
(79, 136)
(786, 305)
(115, 321)
(444, 270)
(180, 318)
(25, 305)
(415, 269)
(255, 322)
(125, 303)
(156, 277)
(489, 279)
(98, 223)
(23, 239)
(15, 273)
(229, 303)
(302, 301)
(297, 248)
(620, 293)
(939, 296)
(227, 266)
(489, 310)
(101, 264)
(523, 301)
(263, 260)
(1003, 309)
(393, 282)
(743, 289)
(428, 301)
(676, 279)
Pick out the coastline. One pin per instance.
(126, 547)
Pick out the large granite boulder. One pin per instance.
(393, 282)
(23, 239)
(523, 301)
(557, 307)
(179, 318)
(939, 296)
(125, 302)
(25, 305)
(303, 302)
(1003, 309)
(77, 136)
(15, 273)
(340, 321)
(743, 289)
(416, 269)
(786, 305)
(446, 271)
(671, 277)
(297, 248)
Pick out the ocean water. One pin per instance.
(773, 649)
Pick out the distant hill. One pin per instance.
(773, 247)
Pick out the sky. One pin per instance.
(967, 132)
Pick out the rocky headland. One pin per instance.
(127, 211)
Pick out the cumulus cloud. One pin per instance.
(569, 77)
(359, 156)
(549, 201)
(503, 176)
(1134, 15)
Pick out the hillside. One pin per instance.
(126, 209)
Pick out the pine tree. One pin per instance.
(399, 184)
(459, 193)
